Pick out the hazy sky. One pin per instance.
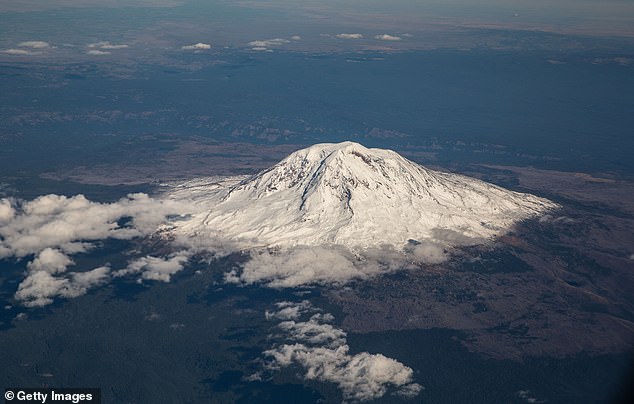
(586, 16)
(144, 29)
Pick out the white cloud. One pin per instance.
(288, 310)
(556, 220)
(267, 43)
(51, 261)
(314, 332)
(6, 211)
(52, 227)
(20, 52)
(333, 265)
(96, 52)
(301, 266)
(34, 44)
(321, 350)
(349, 36)
(40, 287)
(62, 222)
(197, 46)
(296, 38)
(386, 37)
(156, 268)
(430, 253)
(89, 279)
(107, 45)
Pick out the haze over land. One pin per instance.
(161, 215)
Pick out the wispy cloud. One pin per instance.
(156, 268)
(269, 42)
(32, 48)
(529, 397)
(349, 36)
(430, 253)
(387, 37)
(288, 310)
(321, 349)
(107, 45)
(97, 52)
(24, 52)
(264, 45)
(197, 46)
(34, 44)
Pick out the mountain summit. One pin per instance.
(350, 195)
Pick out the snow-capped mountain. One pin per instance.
(350, 195)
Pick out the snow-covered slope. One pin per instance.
(350, 195)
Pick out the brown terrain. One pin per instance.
(558, 286)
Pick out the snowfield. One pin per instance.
(349, 195)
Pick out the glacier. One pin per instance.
(345, 194)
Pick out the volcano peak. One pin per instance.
(347, 194)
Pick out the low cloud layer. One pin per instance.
(266, 44)
(197, 46)
(107, 45)
(349, 36)
(27, 48)
(430, 253)
(156, 268)
(68, 223)
(40, 287)
(387, 37)
(50, 229)
(300, 266)
(97, 52)
(330, 265)
(50, 260)
(23, 52)
(321, 349)
(34, 44)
